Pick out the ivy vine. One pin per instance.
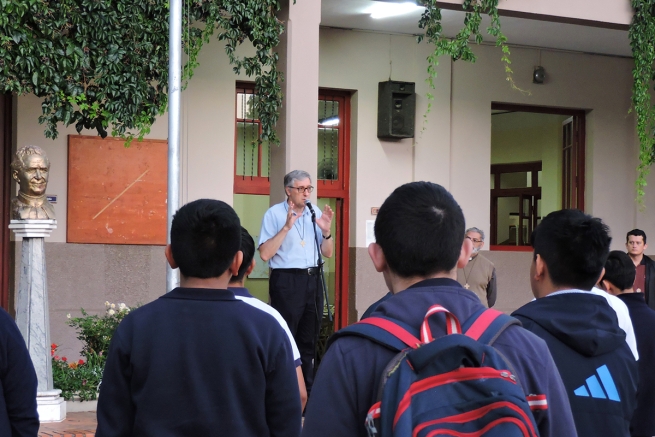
(642, 41)
(99, 63)
(459, 46)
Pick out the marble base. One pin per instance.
(50, 406)
(33, 228)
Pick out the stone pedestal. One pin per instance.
(32, 312)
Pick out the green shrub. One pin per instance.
(83, 378)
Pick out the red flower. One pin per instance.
(56, 357)
(53, 346)
(64, 359)
(80, 362)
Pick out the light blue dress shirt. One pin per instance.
(292, 254)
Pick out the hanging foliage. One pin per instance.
(101, 63)
(459, 46)
(642, 41)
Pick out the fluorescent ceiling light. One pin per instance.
(388, 9)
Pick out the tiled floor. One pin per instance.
(75, 425)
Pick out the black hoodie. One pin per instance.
(589, 349)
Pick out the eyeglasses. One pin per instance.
(475, 240)
(301, 190)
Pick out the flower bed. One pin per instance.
(80, 380)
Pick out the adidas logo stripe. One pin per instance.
(603, 389)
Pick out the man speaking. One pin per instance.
(288, 242)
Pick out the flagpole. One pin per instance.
(174, 90)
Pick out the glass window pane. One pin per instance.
(513, 180)
(328, 153)
(245, 106)
(247, 149)
(266, 159)
(492, 182)
(328, 113)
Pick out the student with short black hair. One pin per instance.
(580, 328)
(420, 243)
(198, 361)
(618, 279)
(237, 286)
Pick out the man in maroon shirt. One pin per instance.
(635, 243)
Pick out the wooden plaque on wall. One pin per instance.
(116, 194)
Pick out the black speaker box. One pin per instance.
(396, 109)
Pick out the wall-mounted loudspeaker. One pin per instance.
(396, 110)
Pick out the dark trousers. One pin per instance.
(296, 296)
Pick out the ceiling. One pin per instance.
(351, 14)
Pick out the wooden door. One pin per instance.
(6, 140)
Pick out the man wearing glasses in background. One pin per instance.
(479, 275)
(287, 241)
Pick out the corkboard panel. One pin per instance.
(116, 195)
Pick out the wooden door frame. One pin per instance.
(533, 191)
(341, 191)
(6, 146)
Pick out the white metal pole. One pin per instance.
(174, 89)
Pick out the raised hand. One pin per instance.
(325, 222)
(291, 216)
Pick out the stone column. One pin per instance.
(298, 123)
(32, 313)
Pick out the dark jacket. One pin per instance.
(643, 320)
(649, 291)
(18, 383)
(347, 380)
(596, 364)
(198, 362)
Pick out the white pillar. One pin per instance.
(298, 123)
(33, 315)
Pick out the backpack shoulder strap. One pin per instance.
(390, 333)
(486, 325)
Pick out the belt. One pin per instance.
(310, 271)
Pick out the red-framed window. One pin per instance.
(252, 159)
(333, 137)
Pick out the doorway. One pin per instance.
(252, 186)
(537, 167)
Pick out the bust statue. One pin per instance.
(30, 169)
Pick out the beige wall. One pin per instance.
(454, 150)
(573, 82)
